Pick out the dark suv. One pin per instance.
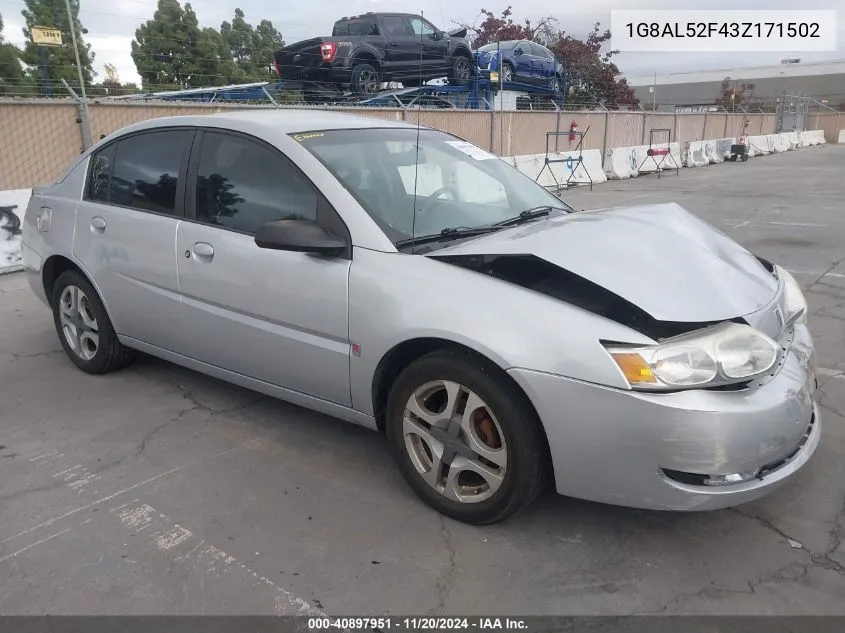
(364, 51)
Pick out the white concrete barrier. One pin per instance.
(700, 153)
(841, 138)
(12, 208)
(628, 162)
(719, 150)
(759, 145)
(812, 137)
(695, 154)
(534, 165)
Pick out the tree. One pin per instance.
(733, 95)
(111, 85)
(11, 73)
(251, 48)
(591, 77)
(171, 52)
(59, 60)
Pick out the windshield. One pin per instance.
(455, 184)
(497, 45)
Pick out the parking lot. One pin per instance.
(156, 490)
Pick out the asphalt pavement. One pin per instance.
(156, 490)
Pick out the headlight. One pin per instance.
(721, 355)
(796, 304)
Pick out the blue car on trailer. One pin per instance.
(522, 61)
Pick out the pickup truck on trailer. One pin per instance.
(364, 51)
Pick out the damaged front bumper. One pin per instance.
(689, 450)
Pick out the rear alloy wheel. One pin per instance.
(465, 438)
(84, 328)
(365, 80)
(461, 71)
(554, 84)
(507, 73)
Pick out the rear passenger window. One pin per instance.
(395, 25)
(101, 168)
(146, 170)
(242, 184)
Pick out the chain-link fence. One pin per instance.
(41, 137)
(800, 112)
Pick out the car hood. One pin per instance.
(660, 258)
(486, 57)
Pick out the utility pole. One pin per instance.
(654, 95)
(86, 132)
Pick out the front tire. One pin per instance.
(465, 438)
(84, 327)
(461, 71)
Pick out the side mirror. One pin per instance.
(438, 35)
(517, 51)
(301, 236)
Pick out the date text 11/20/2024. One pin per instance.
(682, 30)
(417, 624)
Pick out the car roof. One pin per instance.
(284, 121)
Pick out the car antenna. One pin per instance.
(417, 157)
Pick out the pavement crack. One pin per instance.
(444, 582)
(828, 271)
(823, 560)
(792, 572)
(156, 430)
(15, 356)
(763, 521)
(239, 407)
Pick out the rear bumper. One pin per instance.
(655, 451)
(311, 77)
(32, 268)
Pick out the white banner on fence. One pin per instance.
(12, 208)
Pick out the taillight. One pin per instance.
(327, 51)
(276, 68)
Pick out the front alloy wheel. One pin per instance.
(465, 437)
(455, 442)
(461, 71)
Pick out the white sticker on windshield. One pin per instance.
(471, 150)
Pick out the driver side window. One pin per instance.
(242, 184)
(421, 27)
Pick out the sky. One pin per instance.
(111, 24)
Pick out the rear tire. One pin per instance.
(508, 72)
(365, 80)
(492, 479)
(84, 327)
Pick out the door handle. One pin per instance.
(98, 224)
(394, 43)
(203, 251)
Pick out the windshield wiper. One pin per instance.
(528, 214)
(447, 234)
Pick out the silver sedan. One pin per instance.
(405, 280)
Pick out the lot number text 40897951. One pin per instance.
(425, 623)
